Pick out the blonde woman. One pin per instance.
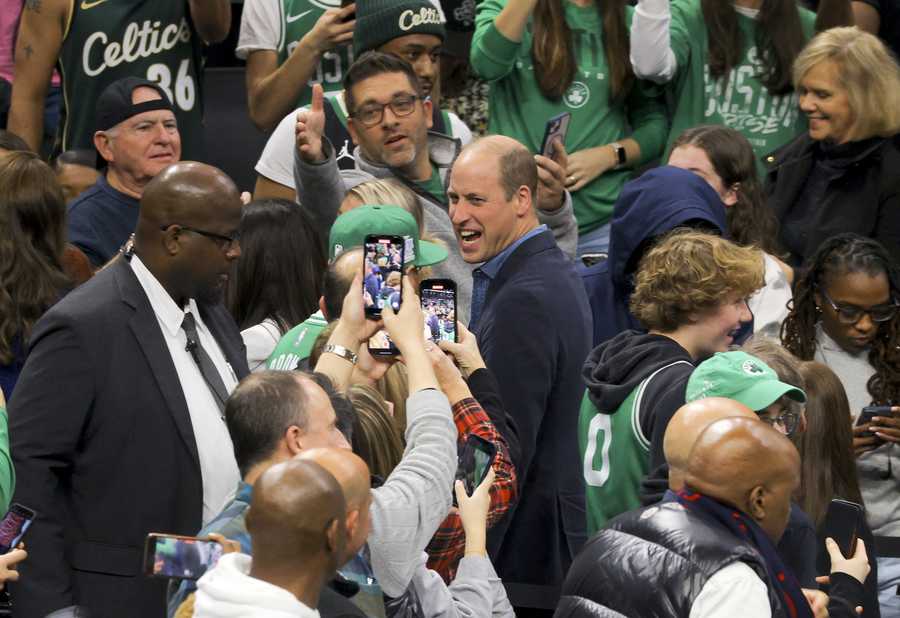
(841, 176)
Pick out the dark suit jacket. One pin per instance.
(104, 449)
(535, 333)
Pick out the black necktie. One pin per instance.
(204, 362)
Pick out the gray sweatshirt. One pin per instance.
(476, 592)
(321, 188)
(409, 507)
(881, 496)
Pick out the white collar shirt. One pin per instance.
(218, 467)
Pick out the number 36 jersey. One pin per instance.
(106, 40)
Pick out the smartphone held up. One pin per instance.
(180, 557)
(438, 298)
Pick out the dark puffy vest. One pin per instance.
(653, 562)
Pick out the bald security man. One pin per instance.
(686, 426)
(712, 551)
(117, 424)
(531, 316)
(296, 527)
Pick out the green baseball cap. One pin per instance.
(352, 227)
(742, 377)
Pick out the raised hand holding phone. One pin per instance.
(473, 511)
(466, 352)
(310, 127)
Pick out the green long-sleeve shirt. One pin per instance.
(7, 472)
(518, 109)
(737, 100)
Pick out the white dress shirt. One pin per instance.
(218, 467)
(735, 590)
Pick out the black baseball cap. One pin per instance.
(114, 104)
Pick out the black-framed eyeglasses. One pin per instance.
(850, 314)
(223, 241)
(371, 114)
(786, 422)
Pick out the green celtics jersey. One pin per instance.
(106, 40)
(299, 17)
(615, 455)
(296, 344)
(737, 100)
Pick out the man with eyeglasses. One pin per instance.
(117, 423)
(389, 119)
(413, 30)
(136, 138)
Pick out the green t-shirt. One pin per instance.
(737, 100)
(300, 16)
(434, 185)
(519, 109)
(296, 344)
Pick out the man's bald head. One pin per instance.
(686, 426)
(515, 163)
(295, 517)
(749, 465)
(189, 191)
(350, 471)
(188, 229)
(352, 475)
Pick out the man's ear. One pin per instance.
(351, 128)
(102, 144)
(293, 440)
(427, 109)
(334, 537)
(322, 307)
(524, 201)
(757, 502)
(170, 240)
(351, 522)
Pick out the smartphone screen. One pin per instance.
(382, 273)
(380, 344)
(14, 525)
(180, 557)
(842, 521)
(438, 297)
(475, 460)
(556, 127)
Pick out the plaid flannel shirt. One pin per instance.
(449, 542)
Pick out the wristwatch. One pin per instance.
(621, 155)
(341, 351)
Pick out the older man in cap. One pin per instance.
(137, 137)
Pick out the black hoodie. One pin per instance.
(615, 368)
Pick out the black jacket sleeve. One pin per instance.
(662, 398)
(486, 391)
(845, 594)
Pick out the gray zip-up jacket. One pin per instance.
(321, 188)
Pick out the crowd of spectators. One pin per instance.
(663, 378)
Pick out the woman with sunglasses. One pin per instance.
(844, 315)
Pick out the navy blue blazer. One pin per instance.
(104, 449)
(534, 334)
